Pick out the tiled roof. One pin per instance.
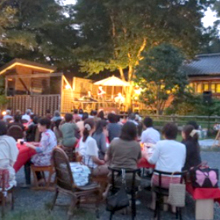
(204, 64)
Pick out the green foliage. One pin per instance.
(159, 76)
(113, 34)
(38, 31)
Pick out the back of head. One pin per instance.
(89, 124)
(101, 114)
(148, 122)
(8, 112)
(57, 113)
(80, 111)
(128, 131)
(68, 117)
(28, 111)
(17, 118)
(194, 124)
(35, 119)
(75, 111)
(3, 128)
(190, 133)
(112, 118)
(85, 116)
(45, 122)
(101, 124)
(48, 111)
(132, 116)
(170, 131)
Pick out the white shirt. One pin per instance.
(150, 135)
(26, 117)
(6, 117)
(88, 149)
(169, 156)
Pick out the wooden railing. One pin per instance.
(38, 103)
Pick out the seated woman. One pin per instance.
(125, 151)
(8, 153)
(89, 151)
(32, 129)
(169, 156)
(100, 138)
(190, 139)
(69, 131)
(47, 143)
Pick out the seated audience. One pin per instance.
(27, 116)
(8, 153)
(125, 151)
(80, 124)
(56, 116)
(100, 138)
(32, 130)
(190, 139)
(81, 113)
(114, 128)
(48, 114)
(101, 115)
(131, 118)
(7, 117)
(69, 131)
(76, 116)
(149, 135)
(47, 143)
(57, 132)
(89, 151)
(168, 155)
(16, 128)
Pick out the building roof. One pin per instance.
(26, 63)
(203, 64)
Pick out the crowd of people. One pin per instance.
(101, 139)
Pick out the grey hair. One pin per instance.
(57, 113)
(28, 111)
(8, 112)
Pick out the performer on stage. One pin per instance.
(101, 93)
(119, 99)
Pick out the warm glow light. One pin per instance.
(67, 87)
(25, 65)
(138, 91)
(4, 113)
(10, 79)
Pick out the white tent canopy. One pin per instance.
(112, 81)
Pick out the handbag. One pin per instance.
(204, 177)
(177, 194)
(118, 200)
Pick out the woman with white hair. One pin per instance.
(56, 116)
(27, 115)
(7, 117)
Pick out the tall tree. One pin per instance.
(114, 33)
(160, 77)
(42, 32)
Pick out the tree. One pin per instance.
(114, 34)
(42, 32)
(160, 77)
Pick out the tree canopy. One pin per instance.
(159, 75)
(37, 30)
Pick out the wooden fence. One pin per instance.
(38, 103)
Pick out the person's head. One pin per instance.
(132, 116)
(189, 133)
(112, 118)
(170, 131)
(68, 117)
(3, 128)
(85, 116)
(75, 111)
(194, 124)
(89, 127)
(128, 131)
(35, 119)
(101, 114)
(18, 112)
(48, 111)
(44, 124)
(8, 112)
(93, 113)
(148, 122)
(28, 111)
(101, 124)
(57, 123)
(80, 111)
(56, 113)
(17, 118)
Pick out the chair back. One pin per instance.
(16, 132)
(117, 172)
(62, 169)
(171, 174)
